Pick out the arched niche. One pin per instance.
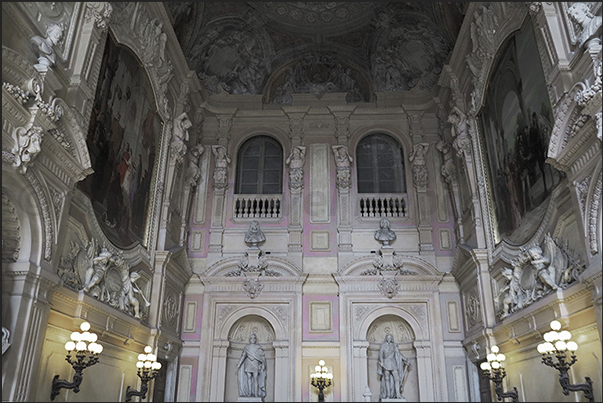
(404, 337)
(238, 338)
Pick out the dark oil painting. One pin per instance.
(515, 124)
(122, 139)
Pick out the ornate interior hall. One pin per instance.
(302, 201)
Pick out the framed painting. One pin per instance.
(122, 139)
(515, 125)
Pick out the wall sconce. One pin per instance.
(556, 344)
(321, 379)
(493, 370)
(86, 355)
(148, 368)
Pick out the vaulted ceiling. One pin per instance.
(281, 48)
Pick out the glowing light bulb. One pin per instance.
(99, 348)
(329, 376)
(495, 349)
(501, 357)
(142, 357)
(151, 357)
(139, 364)
(491, 357)
(549, 347)
(76, 336)
(156, 366)
(86, 336)
(572, 345)
(93, 337)
(560, 345)
(555, 325)
(317, 368)
(69, 346)
(541, 348)
(92, 347)
(147, 364)
(148, 349)
(321, 363)
(496, 365)
(485, 366)
(565, 335)
(85, 326)
(80, 346)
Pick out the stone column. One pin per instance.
(360, 371)
(30, 298)
(282, 370)
(425, 371)
(218, 370)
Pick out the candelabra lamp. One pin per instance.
(321, 379)
(557, 345)
(493, 370)
(148, 368)
(87, 351)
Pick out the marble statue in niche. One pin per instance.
(590, 24)
(45, 46)
(181, 125)
(384, 234)
(252, 370)
(393, 368)
(254, 235)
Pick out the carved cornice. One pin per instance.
(421, 266)
(282, 266)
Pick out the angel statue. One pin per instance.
(513, 297)
(98, 266)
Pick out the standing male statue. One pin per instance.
(252, 370)
(392, 368)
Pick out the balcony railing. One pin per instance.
(257, 206)
(382, 205)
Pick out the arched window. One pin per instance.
(260, 167)
(380, 165)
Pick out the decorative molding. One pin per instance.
(11, 231)
(100, 12)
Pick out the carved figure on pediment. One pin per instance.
(384, 234)
(542, 265)
(98, 266)
(252, 370)
(254, 235)
(393, 368)
(590, 24)
(28, 144)
(45, 46)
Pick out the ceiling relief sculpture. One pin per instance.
(318, 73)
(283, 48)
(234, 56)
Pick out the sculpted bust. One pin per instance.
(45, 46)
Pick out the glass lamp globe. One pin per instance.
(156, 366)
(142, 357)
(501, 357)
(496, 365)
(541, 348)
(85, 326)
(317, 368)
(69, 346)
(565, 335)
(329, 376)
(151, 357)
(148, 364)
(491, 357)
(555, 325)
(495, 349)
(139, 364)
(80, 346)
(572, 345)
(148, 349)
(485, 366)
(560, 345)
(99, 348)
(321, 363)
(93, 337)
(76, 336)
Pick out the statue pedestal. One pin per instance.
(250, 399)
(393, 400)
